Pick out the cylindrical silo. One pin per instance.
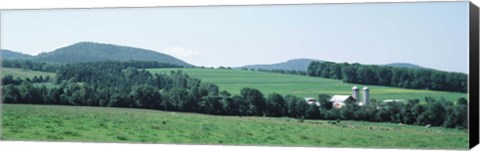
(355, 93)
(366, 95)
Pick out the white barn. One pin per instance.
(339, 100)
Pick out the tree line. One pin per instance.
(120, 84)
(30, 65)
(53, 67)
(414, 78)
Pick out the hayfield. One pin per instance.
(302, 86)
(96, 124)
(23, 73)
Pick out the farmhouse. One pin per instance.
(339, 100)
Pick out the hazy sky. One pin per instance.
(432, 35)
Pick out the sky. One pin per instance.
(433, 35)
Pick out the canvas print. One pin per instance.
(369, 75)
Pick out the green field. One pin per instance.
(302, 86)
(96, 124)
(22, 73)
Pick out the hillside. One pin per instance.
(294, 64)
(302, 86)
(93, 52)
(97, 124)
(8, 54)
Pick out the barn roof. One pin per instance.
(340, 98)
(394, 100)
(309, 98)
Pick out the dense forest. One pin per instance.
(125, 84)
(30, 65)
(413, 78)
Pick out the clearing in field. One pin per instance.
(97, 124)
(302, 86)
(23, 73)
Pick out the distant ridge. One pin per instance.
(294, 64)
(404, 65)
(303, 63)
(94, 52)
(8, 54)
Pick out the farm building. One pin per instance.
(311, 100)
(382, 104)
(393, 100)
(339, 100)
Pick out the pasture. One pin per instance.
(302, 86)
(97, 124)
(22, 73)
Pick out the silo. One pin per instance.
(355, 94)
(366, 96)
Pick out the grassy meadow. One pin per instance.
(22, 73)
(302, 86)
(96, 124)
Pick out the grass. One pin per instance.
(302, 86)
(96, 124)
(22, 73)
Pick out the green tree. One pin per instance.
(276, 105)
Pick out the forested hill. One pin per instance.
(8, 54)
(404, 65)
(95, 52)
(294, 64)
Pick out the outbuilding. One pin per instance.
(339, 100)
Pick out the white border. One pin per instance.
(42, 4)
(61, 146)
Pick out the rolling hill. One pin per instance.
(93, 52)
(301, 86)
(8, 54)
(294, 64)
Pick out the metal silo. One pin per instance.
(366, 96)
(355, 93)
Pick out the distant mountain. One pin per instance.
(404, 65)
(294, 64)
(93, 52)
(8, 54)
(302, 65)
